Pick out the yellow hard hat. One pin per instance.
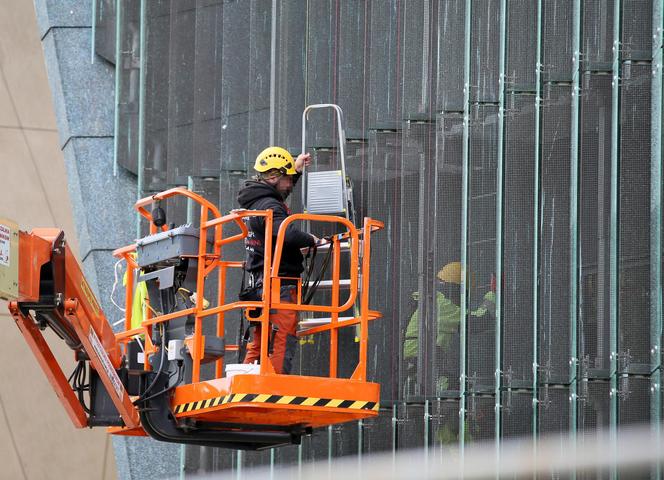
(450, 273)
(275, 158)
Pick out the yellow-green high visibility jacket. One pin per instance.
(448, 322)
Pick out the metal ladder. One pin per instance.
(328, 192)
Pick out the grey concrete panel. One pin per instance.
(98, 270)
(62, 13)
(102, 203)
(144, 458)
(82, 92)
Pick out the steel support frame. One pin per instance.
(141, 109)
(613, 235)
(536, 222)
(573, 216)
(119, 30)
(499, 230)
(656, 229)
(464, 226)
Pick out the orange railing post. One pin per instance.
(200, 290)
(266, 300)
(129, 295)
(334, 332)
(221, 294)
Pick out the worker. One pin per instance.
(276, 174)
(448, 315)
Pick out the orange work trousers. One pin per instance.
(284, 340)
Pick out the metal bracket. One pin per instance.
(164, 276)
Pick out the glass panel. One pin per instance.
(410, 426)
(518, 237)
(129, 86)
(484, 47)
(634, 208)
(444, 429)
(554, 326)
(352, 71)
(383, 190)
(207, 104)
(446, 251)
(556, 40)
(419, 326)
(105, 31)
(481, 317)
(480, 419)
(379, 433)
(636, 41)
(521, 43)
(419, 59)
(597, 34)
(384, 57)
(450, 50)
(321, 55)
(517, 415)
(595, 190)
(157, 76)
(181, 91)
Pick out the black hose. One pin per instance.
(161, 364)
(308, 294)
(162, 331)
(78, 383)
(165, 389)
(310, 259)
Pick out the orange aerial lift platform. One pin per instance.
(164, 374)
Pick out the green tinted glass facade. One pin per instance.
(521, 138)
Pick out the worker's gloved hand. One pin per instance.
(302, 160)
(317, 241)
(322, 241)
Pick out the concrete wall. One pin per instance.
(83, 89)
(38, 439)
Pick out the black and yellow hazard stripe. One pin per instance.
(276, 399)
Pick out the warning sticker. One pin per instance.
(5, 243)
(106, 363)
(92, 301)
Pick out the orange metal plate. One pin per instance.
(269, 396)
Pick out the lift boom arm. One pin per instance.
(53, 292)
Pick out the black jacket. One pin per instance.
(262, 196)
